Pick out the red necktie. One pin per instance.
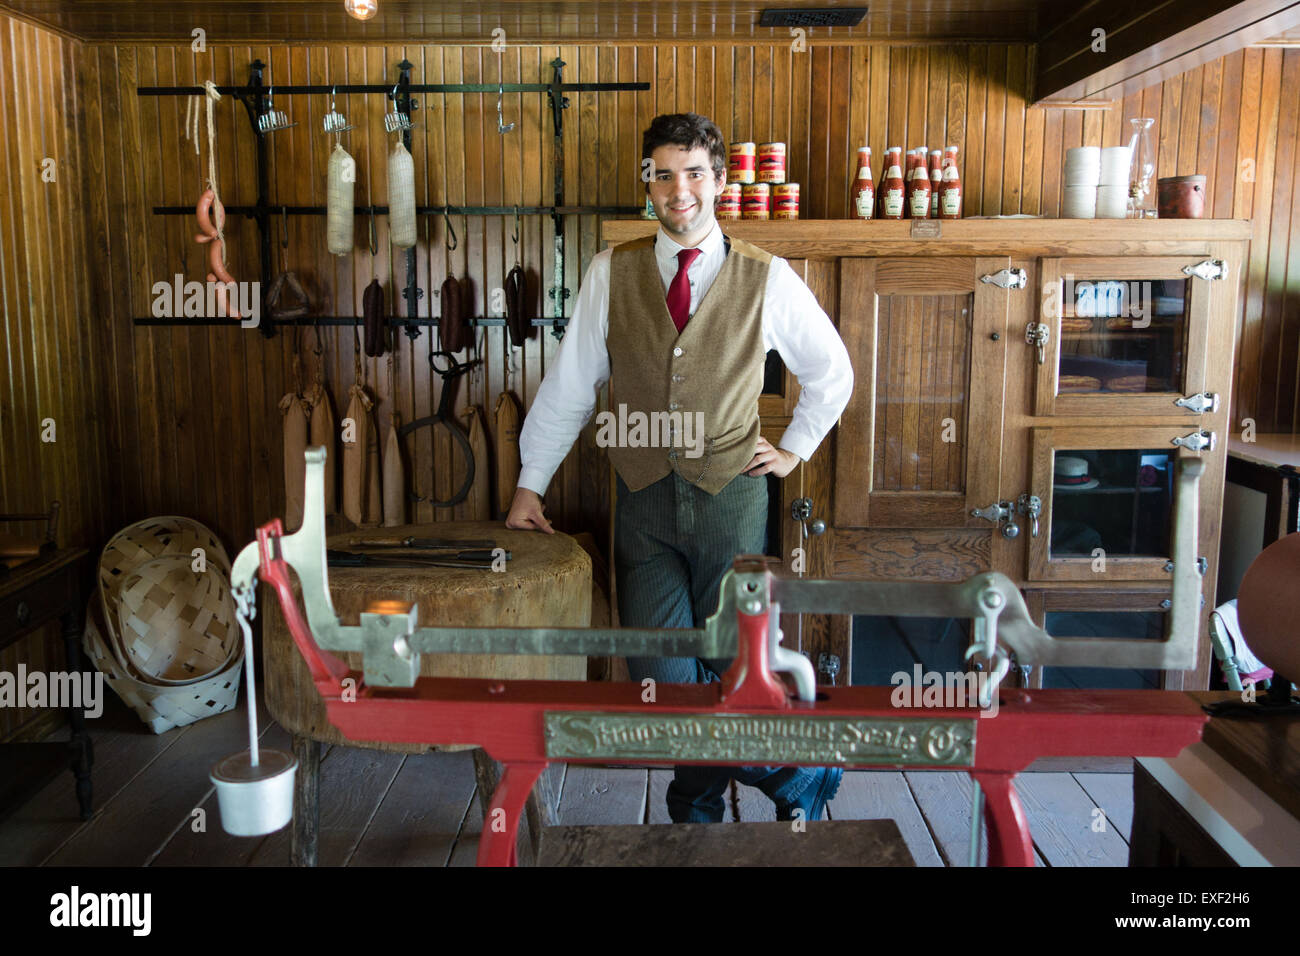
(679, 292)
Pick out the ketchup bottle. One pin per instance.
(864, 189)
(891, 187)
(918, 200)
(936, 181)
(909, 173)
(950, 194)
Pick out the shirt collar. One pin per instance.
(666, 248)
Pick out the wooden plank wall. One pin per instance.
(46, 315)
(194, 424)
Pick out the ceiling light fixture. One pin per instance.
(361, 9)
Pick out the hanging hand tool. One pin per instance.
(444, 416)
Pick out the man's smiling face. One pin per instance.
(683, 191)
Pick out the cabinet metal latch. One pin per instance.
(1031, 506)
(829, 664)
(1008, 279)
(1200, 403)
(999, 512)
(1209, 269)
(1038, 335)
(1195, 441)
(801, 511)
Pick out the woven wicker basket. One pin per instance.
(160, 707)
(163, 634)
(175, 625)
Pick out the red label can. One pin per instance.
(740, 163)
(785, 201)
(728, 206)
(755, 201)
(771, 162)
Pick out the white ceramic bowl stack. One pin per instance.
(1082, 177)
(1112, 190)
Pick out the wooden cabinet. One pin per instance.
(1036, 371)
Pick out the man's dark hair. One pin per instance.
(690, 131)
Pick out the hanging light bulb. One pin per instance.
(361, 9)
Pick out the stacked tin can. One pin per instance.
(728, 206)
(760, 170)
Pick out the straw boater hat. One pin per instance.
(1070, 472)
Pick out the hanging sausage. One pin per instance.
(340, 219)
(372, 310)
(401, 197)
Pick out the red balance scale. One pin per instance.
(766, 710)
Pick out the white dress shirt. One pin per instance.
(793, 324)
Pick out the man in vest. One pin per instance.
(682, 321)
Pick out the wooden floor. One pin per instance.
(154, 806)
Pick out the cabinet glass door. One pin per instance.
(920, 442)
(1101, 614)
(1108, 497)
(1124, 335)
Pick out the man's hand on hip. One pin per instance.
(767, 459)
(526, 512)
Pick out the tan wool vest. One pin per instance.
(686, 403)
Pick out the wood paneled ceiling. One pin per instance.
(525, 21)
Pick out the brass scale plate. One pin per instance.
(761, 739)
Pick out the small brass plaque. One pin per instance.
(775, 739)
(926, 229)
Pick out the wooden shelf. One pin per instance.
(824, 238)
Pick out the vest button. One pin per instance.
(673, 406)
(678, 351)
(679, 379)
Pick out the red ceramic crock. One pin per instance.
(1181, 197)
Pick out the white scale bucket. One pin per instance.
(254, 786)
(255, 800)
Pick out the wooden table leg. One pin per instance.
(83, 751)
(306, 802)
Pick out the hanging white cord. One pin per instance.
(192, 106)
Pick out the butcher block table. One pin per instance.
(547, 583)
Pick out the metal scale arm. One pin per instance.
(391, 643)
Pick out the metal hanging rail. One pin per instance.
(254, 96)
